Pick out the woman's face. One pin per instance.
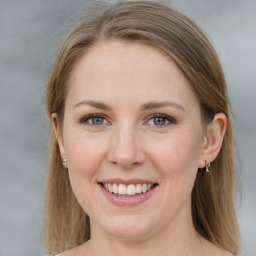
(131, 118)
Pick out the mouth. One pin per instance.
(128, 190)
(128, 193)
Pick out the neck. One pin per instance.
(150, 247)
(177, 239)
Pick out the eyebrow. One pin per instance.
(152, 104)
(94, 104)
(145, 106)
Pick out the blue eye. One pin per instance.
(99, 120)
(161, 120)
(94, 120)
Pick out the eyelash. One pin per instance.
(170, 119)
(86, 118)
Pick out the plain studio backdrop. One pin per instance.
(30, 33)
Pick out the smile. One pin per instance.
(127, 193)
(127, 190)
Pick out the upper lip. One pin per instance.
(127, 182)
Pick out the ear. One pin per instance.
(213, 138)
(58, 134)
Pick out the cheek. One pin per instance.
(85, 156)
(177, 154)
(84, 152)
(176, 160)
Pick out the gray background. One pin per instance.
(30, 32)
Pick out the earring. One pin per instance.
(207, 166)
(64, 162)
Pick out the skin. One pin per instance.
(129, 143)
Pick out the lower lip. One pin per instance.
(128, 200)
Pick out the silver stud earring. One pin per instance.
(64, 162)
(207, 166)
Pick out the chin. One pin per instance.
(129, 228)
(129, 234)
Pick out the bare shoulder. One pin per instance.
(71, 252)
(213, 250)
(67, 253)
(76, 251)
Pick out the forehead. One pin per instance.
(129, 72)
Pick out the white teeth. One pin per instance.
(129, 190)
(121, 189)
(115, 188)
(144, 188)
(138, 188)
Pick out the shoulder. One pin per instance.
(213, 250)
(76, 251)
(66, 253)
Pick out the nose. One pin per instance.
(124, 150)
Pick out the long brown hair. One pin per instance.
(66, 225)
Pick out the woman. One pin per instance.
(141, 158)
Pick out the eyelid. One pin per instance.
(88, 117)
(85, 119)
(170, 119)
